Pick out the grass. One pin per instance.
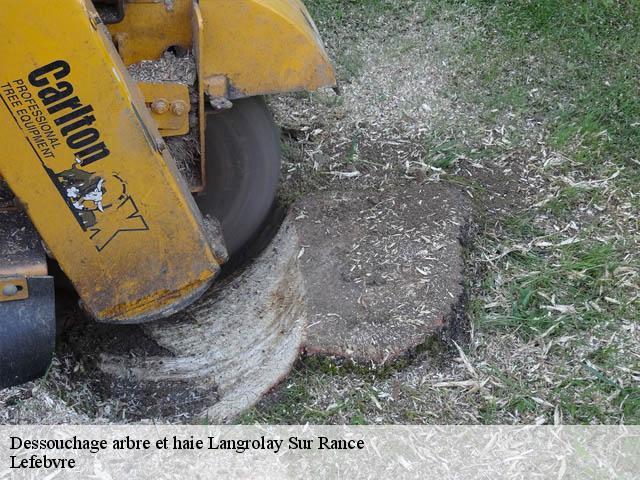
(549, 89)
(575, 62)
(296, 402)
(559, 292)
(344, 10)
(575, 65)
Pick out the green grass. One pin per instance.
(343, 10)
(571, 68)
(442, 152)
(295, 402)
(577, 63)
(553, 286)
(574, 66)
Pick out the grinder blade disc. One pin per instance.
(242, 170)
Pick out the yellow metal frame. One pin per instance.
(169, 104)
(82, 151)
(249, 47)
(150, 27)
(261, 47)
(83, 155)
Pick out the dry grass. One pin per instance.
(554, 272)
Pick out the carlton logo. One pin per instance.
(98, 200)
(68, 112)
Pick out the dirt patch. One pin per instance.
(36, 403)
(140, 400)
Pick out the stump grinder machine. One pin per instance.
(136, 152)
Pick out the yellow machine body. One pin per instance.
(83, 147)
(249, 47)
(83, 155)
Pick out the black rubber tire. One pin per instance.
(243, 170)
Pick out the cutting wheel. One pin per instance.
(242, 170)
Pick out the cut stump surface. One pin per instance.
(382, 271)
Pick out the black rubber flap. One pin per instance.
(27, 334)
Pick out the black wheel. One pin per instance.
(242, 168)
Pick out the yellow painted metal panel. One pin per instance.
(150, 27)
(263, 46)
(82, 154)
(258, 46)
(170, 105)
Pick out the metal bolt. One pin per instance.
(10, 290)
(178, 107)
(160, 106)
